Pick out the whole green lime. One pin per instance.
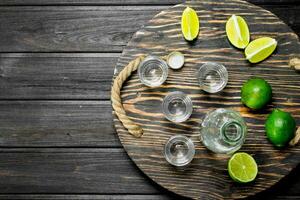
(280, 127)
(256, 93)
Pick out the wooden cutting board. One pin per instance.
(207, 176)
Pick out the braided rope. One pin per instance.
(296, 139)
(295, 63)
(131, 126)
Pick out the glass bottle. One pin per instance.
(223, 131)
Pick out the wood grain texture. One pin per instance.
(206, 177)
(123, 2)
(70, 171)
(56, 124)
(25, 76)
(85, 28)
(56, 75)
(64, 173)
(91, 2)
(73, 29)
(85, 197)
(71, 124)
(116, 197)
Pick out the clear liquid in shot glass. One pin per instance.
(177, 107)
(212, 77)
(153, 71)
(179, 150)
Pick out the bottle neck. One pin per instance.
(232, 132)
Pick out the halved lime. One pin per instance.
(260, 49)
(190, 24)
(242, 168)
(238, 32)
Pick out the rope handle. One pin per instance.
(296, 139)
(136, 130)
(295, 64)
(131, 126)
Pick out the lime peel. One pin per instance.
(237, 31)
(190, 24)
(260, 49)
(280, 127)
(274, 42)
(256, 93)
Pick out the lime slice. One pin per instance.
(260, 49)
(237, 32)
(190, 24)
(242, 168)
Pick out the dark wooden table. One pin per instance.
(57, 139)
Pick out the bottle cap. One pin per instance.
(175, 60)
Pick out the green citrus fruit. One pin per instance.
(260, 49)
(256, 93)
(190, 24)
(237, 32)
(242, 168)
(280, 127)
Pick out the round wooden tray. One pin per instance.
(206, 177)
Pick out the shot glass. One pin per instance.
(177, 107)
(179, 150)
(212, 77)
(153, 71)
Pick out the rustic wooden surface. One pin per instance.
(207, 176)
(57, 139)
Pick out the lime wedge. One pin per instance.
(260, 49)
(242, 168)
(189, 24)
(237, 32)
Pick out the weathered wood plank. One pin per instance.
(85, 171)
(56, 76)
(56, 124)
(76, 28)
(91, 2)
(70, 171)
(86, 28)
(87, 196)
(89, 123)
(83, 75)
(118, 197)
(123, 2)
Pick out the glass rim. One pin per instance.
(229, 139)
(161, 63)
(191, 149)
(182, 96)
(213, 65)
